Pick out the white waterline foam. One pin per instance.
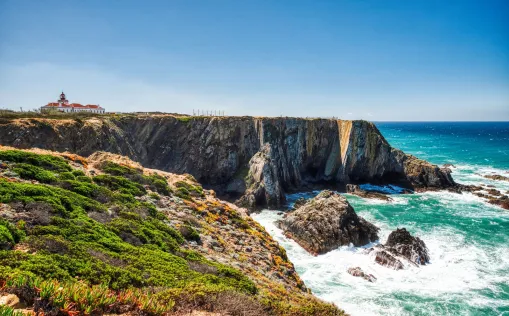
(460, 267)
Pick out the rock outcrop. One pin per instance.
(263, 184)
(327, 222)
(497, 177)
(356, 190)
(486, 192)
(357, 272)
(254, 160)
(401, 246)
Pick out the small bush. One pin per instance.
(154, 181)
(154, 196)
(189, 233)
(195, 190)
(31, 172)
(9, 235)
(9, 311)
(67, 176)
(183, 193)
(47, 162)
(78, 173)
(121, 184)
(84, 179)
(62, 201)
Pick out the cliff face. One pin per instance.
(254, 159)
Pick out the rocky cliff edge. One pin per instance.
(254, 161)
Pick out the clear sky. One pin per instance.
(375, 60)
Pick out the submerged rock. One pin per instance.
(385, 258)
(356, 190)
(502, 201)
(327, 222)
(497, 177)
(357, 272)
(401, 245)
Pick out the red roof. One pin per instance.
(75, 105)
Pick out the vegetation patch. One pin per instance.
(154, 181)
(73, 244)
(47, 162)
(186, 190)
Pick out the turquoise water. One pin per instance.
(468, 239)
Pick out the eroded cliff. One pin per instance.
(254, 160)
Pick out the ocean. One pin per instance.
(468, 239)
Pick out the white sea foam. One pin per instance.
(458, 268)
(472, 174)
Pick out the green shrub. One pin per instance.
(84, 179)
(9, 234)
(183, 193)
(62, 201)
(6, 238)
(47, 162)
(185, 119)
(67, 176)
(121, 184)
(9, 311)
(87, 189)
(191, 189)
(154, 196)
(189, 233)
(154, 181)
(158, 184)
(31, 172)
(78, 173)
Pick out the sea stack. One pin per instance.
(327, 222)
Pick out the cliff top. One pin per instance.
(6, 117)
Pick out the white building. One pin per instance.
(63, 105)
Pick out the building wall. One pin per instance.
(70, 110)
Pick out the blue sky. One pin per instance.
(375, 60)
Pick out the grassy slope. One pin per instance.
(102, 243)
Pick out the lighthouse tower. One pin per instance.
(62, 101)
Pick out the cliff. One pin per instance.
(253, 160)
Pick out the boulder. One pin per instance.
(385, 258)
(356, 190)
(10, 300)
(401, 246)
(412, 248)
(327, 222)
(357, 272)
